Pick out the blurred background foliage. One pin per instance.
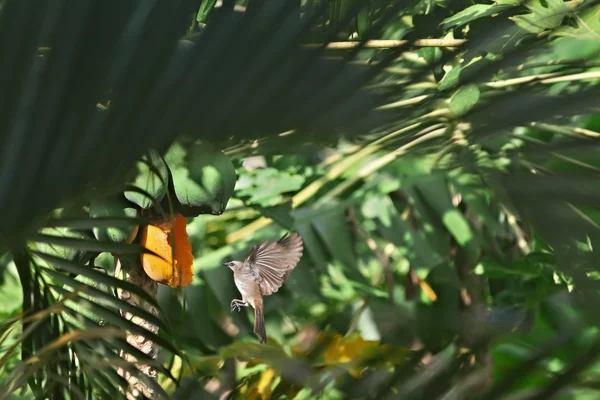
(445, 183)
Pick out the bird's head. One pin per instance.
(233, 265)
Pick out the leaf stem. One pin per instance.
(389, 44)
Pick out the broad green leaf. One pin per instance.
(303, 281)
(436, 194)
(425, 221)
(282, 214)
(151, 176)
(378, 207)
(412, 243)
(363, 22)
(451, 79)
(573, 48)
(431, 55)
(265, 186)
(509, 355)
(544, 15)
(437, 321)
(474, 12)
(458, 226)
(271, 353)
(203, 177)
(192, 320)
(587, 30)
(11, 294)
(475, 197)
(464, 99)
(312, 245)
(220, 282)
(333, 230)
(115, 208)
(206, 313)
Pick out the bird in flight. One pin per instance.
(262, 273)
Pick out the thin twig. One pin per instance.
(577, 62)
(346, 45)
(517, 231)
(390, 44)
(568, 130)
(548, 78)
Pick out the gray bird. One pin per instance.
(262, 273)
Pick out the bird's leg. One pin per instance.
(236, 305)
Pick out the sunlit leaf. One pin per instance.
(203, 177)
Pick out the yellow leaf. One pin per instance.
(265, 383)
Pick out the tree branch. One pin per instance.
(390, 44)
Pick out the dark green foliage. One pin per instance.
(447, 196)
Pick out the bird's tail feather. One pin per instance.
(259, 324)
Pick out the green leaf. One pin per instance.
(114, 318)
(378, 206)
(281, 214)
(205, 316)
(58, 243)
(544, 15)
(587, 28)
(458, 226)
(180, 314)
(464, 100)
(100, 277)
(431, 55)
(190, 389)
(265, 186)
(436, 194)
(220, 281)
(303, 281)
(474, 12)
(412, 243)
(475, 198)
(152, 176)
(363, 22)
(108, 298)
(71, 244)
(451, 79)
(203, 177)
(115, 208)
(312, 244)
(91, 223)
(11, 295)
(334, 232)
(204, 10)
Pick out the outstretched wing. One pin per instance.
(273, 261)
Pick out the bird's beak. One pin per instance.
(226, 264)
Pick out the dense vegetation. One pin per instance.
(438, 159)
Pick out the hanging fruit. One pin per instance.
(172, 264)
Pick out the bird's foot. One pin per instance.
(236, 305)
